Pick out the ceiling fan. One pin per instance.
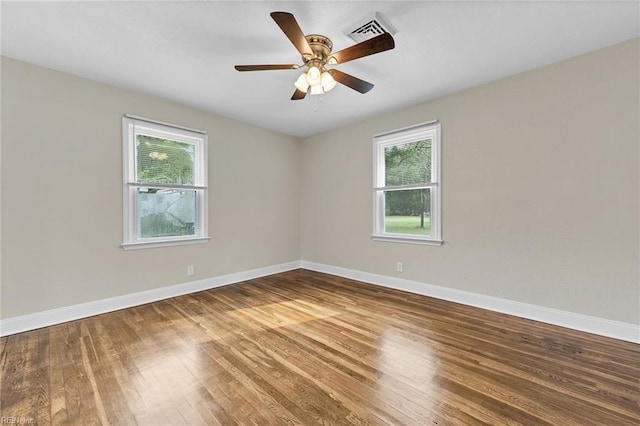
(316, 55)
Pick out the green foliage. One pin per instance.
(405, 165)
(164, 161)
(413, 202)
(408, 164)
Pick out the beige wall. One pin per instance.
(62, 194)
(540, 189)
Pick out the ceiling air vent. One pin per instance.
(371, 27)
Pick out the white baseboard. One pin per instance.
(69, 313)
(604, 327)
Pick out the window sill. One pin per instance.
(164, 243)
(406, 240)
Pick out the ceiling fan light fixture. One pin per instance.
(301, 83)
(327, 82)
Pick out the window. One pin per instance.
(406, 185)
(165, 184)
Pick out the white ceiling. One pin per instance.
(185, 51)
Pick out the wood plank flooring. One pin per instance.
(308, 348)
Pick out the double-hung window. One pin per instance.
(406, 188)
(165, 184)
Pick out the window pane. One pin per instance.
(164, 161)
(166, 212)
(407, 212)
(408, 163)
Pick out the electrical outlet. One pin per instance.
(399, 267)
(191, 270)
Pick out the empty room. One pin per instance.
(320, 213)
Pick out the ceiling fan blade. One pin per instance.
(291, 29)
(298, 94)
(266, 67)
(351, 81)
(368, 47)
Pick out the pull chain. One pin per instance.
(315, 105)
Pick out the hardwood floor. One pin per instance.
(308, 348)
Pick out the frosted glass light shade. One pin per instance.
(316, 90)
(301, 83)
(313, 76)
(328, 82)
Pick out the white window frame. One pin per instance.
(429, 130)
(133, 126)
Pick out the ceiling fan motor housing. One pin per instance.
(321, 47)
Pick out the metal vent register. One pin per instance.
(371, 27)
